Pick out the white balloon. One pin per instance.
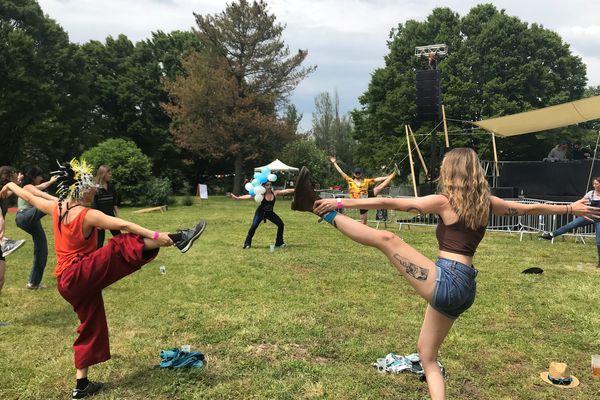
(248, 186)
(272, 177)
(260, 190)
(258, 198)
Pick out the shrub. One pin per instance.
(158, 192)
(187, 200)
(132, 170)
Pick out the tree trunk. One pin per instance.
(239, 175)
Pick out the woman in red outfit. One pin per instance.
(83, 271)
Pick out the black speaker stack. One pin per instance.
(429, 93)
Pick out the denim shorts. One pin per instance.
(455, 287)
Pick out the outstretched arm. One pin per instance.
(283, 192)
(242, 197)
(511, 208)
(420, 205)
(37, 192)
(48, 183)
(333, 160)
(98, 219)
(41, 203)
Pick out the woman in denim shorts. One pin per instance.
(464, 204)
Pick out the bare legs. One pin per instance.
(420, 272)
(433, 332)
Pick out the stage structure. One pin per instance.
(558, 181)
(429, 97)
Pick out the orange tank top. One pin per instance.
(69, 241)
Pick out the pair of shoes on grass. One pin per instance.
(189, 236)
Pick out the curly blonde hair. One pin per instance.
(463, 181)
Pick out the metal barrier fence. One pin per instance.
(524, 224)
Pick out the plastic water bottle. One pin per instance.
(162, 269)
(186, 348)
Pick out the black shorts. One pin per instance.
(363, 212)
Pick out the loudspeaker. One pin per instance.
(428, 99)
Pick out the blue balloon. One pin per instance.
(256, 175)
(263, 178)
(265, 171)
(255, 182)
(251, 192)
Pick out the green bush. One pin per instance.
(187, 200)
(304, 152)
(132, 170)
(158, 192)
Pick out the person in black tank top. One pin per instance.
(265, 211)
(448, 285)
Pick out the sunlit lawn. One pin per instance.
(305, 322)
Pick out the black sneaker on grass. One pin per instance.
(91, 389)
(546, 235)
(189, 236)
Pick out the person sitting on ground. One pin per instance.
(83, 271)
(358, 185)
(559, 152)
(464, 204)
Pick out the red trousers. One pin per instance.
(81, 285)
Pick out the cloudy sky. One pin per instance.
(346, 39)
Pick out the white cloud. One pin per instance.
(345, 38)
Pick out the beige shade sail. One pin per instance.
(551, 117)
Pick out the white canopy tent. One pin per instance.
(277, 166)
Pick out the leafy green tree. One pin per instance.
(497, 65)
(43, 93)
(131, 168)
(127, 91)
(304, 152)
(226, 104)
(292, 117)
(331, 131)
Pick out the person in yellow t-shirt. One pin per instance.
(358, 186)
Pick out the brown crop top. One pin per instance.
(457, 238)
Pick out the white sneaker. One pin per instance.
(11, 245)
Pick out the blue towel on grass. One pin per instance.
(176, 358)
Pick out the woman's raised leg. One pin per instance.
(418, 270)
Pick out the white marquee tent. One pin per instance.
(277, 166)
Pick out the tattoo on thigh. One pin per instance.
(411, 269)
(511, 211)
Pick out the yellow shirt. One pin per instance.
(356, 190)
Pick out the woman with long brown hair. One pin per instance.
(463, 206)
(105, 199)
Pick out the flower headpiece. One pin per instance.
(73, 179)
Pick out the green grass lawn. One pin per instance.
(305, 322)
